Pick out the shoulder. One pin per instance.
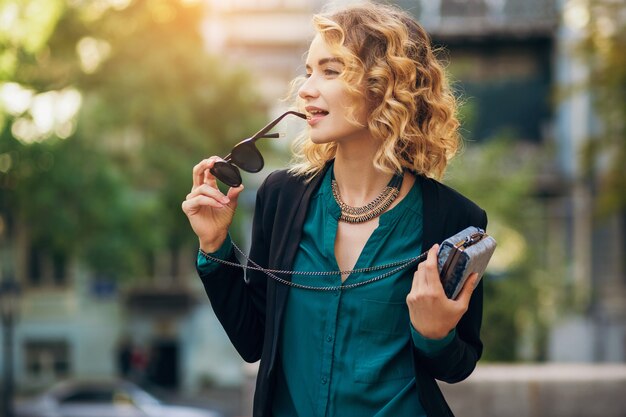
(284, 187)
(445, 193)
(282, 181)
(280, 200)
(450, 204)
(285, 182)
(283, 178)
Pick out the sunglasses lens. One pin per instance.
(247, 157)
(227, 173)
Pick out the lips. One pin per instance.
(315, 114)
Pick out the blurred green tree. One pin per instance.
(521, 297)
(602, 49)
(153, 103)
(25, 27)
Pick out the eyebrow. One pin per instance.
(324, 61)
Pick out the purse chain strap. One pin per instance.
(399, 265)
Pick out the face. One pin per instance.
(326, 99)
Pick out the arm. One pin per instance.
(238, 306)
(434, 317)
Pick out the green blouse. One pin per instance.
(348, 353)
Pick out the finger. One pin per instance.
(233, 194)
(200, 168)
(209, 178)
(210, 192)
(468, 288)
(418, 280)
(198, 173)
(420, 275)
(193, 205)
(430, 267)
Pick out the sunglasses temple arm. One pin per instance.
(261, 133)
(270, 136)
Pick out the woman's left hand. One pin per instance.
(432, 313)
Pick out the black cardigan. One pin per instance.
(251, 313)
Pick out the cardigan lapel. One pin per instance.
(293, 232)
(301, 194)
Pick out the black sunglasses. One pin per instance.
(245, 155)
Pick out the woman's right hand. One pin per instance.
(209, 211)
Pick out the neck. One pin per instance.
(358, 180)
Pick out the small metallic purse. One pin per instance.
(462, 254)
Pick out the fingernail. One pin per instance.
(226, 200)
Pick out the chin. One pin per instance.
(321, 139)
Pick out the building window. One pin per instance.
(45, 269)
(463, 8)
(34, 267)
(46, 358)
(490, 71)
(59, 267)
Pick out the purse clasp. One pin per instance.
(471, 239)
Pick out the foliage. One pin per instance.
(153, 104)
(24, 30)
(186, 105)
(75, 203)
(499, 176)
(602, 48)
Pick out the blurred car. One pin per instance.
(103, 399)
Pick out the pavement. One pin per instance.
(228, 400)
(502, 390)
(541, 390)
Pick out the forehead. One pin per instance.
(319, 49)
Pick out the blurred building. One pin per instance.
(269, 38)
(509, 55)
(595, 245)
(159, 330)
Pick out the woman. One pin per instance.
(360, 194)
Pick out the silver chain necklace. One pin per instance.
(399, 265)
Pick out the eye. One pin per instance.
(330, 72)
(307, 75)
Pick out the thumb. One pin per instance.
(233, 194)
(468, 289)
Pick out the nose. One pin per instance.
(308, 89)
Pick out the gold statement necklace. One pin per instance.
(371, 210)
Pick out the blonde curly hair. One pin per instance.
(412, 112)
